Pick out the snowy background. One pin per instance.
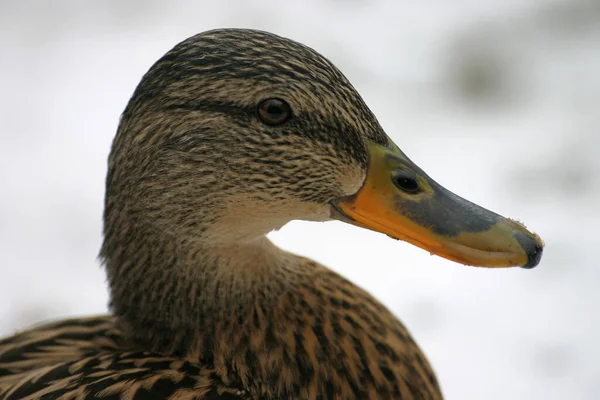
(497, 100)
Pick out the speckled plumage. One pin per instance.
(204, 306)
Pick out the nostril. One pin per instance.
(406, 181)
(532, 248)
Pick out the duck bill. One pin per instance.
(433, 218)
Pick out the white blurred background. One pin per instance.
(497, 100)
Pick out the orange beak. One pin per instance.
(400, 200)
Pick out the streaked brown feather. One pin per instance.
(204, 306)
(81, 358)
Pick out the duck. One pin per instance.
(230, 135)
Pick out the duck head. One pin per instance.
(233, 133)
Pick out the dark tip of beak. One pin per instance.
(532, 248)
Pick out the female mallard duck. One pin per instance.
(230, 135)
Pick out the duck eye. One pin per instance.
(274, 111)
(406, 181)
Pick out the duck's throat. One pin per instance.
(184, 302)
(262, 320)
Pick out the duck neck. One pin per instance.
(176, 298)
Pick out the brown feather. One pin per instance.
(204, 305)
